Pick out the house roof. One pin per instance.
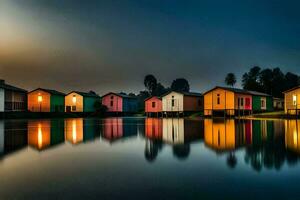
(54, 92)
(185, 93)
(85, 94)
(10, 87)
(238, 90)
(152, 97)
(120, 95)
(294, 88)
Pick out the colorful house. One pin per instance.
(45, 100)
(261, 102)
(181, 102)
(231, 101)
(153, 105)
(292, 101)
(12, 98)
(81, 102)
(120, 103)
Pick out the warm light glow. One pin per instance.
(40, 136)
(74, 99)
(295, 137)
(40, 98)
(294, 100)
(74, 132)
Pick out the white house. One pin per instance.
(182, 102)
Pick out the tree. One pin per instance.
(230, 79)
(160, 90)
(150, 83)
(266, 80)
(250, 80)
(180, 85)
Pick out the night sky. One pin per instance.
(111, 45)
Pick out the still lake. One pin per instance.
(149, 158)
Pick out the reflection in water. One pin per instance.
(116, 128)
(264, 144)
(74, 130)
(39, 134)
(13, 136)
(292, 135)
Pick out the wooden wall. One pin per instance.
(78, 104)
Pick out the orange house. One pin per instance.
(45, 100)
(225, 100)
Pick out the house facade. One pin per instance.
(46, 100)
(153, 105)
(120, 103)
(261, 102)
(12, 98)
(182, 102)
(81, 102)
(278, 103)
(226, 101)
(292, 101)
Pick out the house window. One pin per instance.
(173, 101)
(239, 102)
(242, 101)
(218, 99)
(74, 99)
(111, 103)
(294, 100)
(73, 108)
(153, 104)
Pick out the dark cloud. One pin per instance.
(111, 45)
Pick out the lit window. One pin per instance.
(262, 103)
(74, 99)
(294, 100)
(40, 98)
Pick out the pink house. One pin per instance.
(153, 104)
(119, 102)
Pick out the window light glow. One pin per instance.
(40, 98)
(294, 100)
(74, 99)
(40, 136)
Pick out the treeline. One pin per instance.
(270, 81)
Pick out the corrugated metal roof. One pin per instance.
(120, 95)
(10, 87)
(54, 92)
(86, 94)
(185, 93)
(238, 90)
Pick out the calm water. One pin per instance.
(147, 158)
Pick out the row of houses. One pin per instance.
(46, 100)
(219, 100)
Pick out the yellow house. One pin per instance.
(225, 100)
(81, 101)
(292, 101)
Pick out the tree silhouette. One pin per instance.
(230, 79)
(150, 83)
(180, 85)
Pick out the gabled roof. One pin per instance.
(12, 88)
(294, 88)
(85, 94)
(54, 92)
(238, 90)
(185, 93)
(152, 97)
(120, 95)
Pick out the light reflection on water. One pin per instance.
(183, 157)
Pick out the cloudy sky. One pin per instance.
(111, 45)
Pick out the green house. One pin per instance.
(261, 102)
(81, 101)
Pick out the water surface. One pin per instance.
(149, 158)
